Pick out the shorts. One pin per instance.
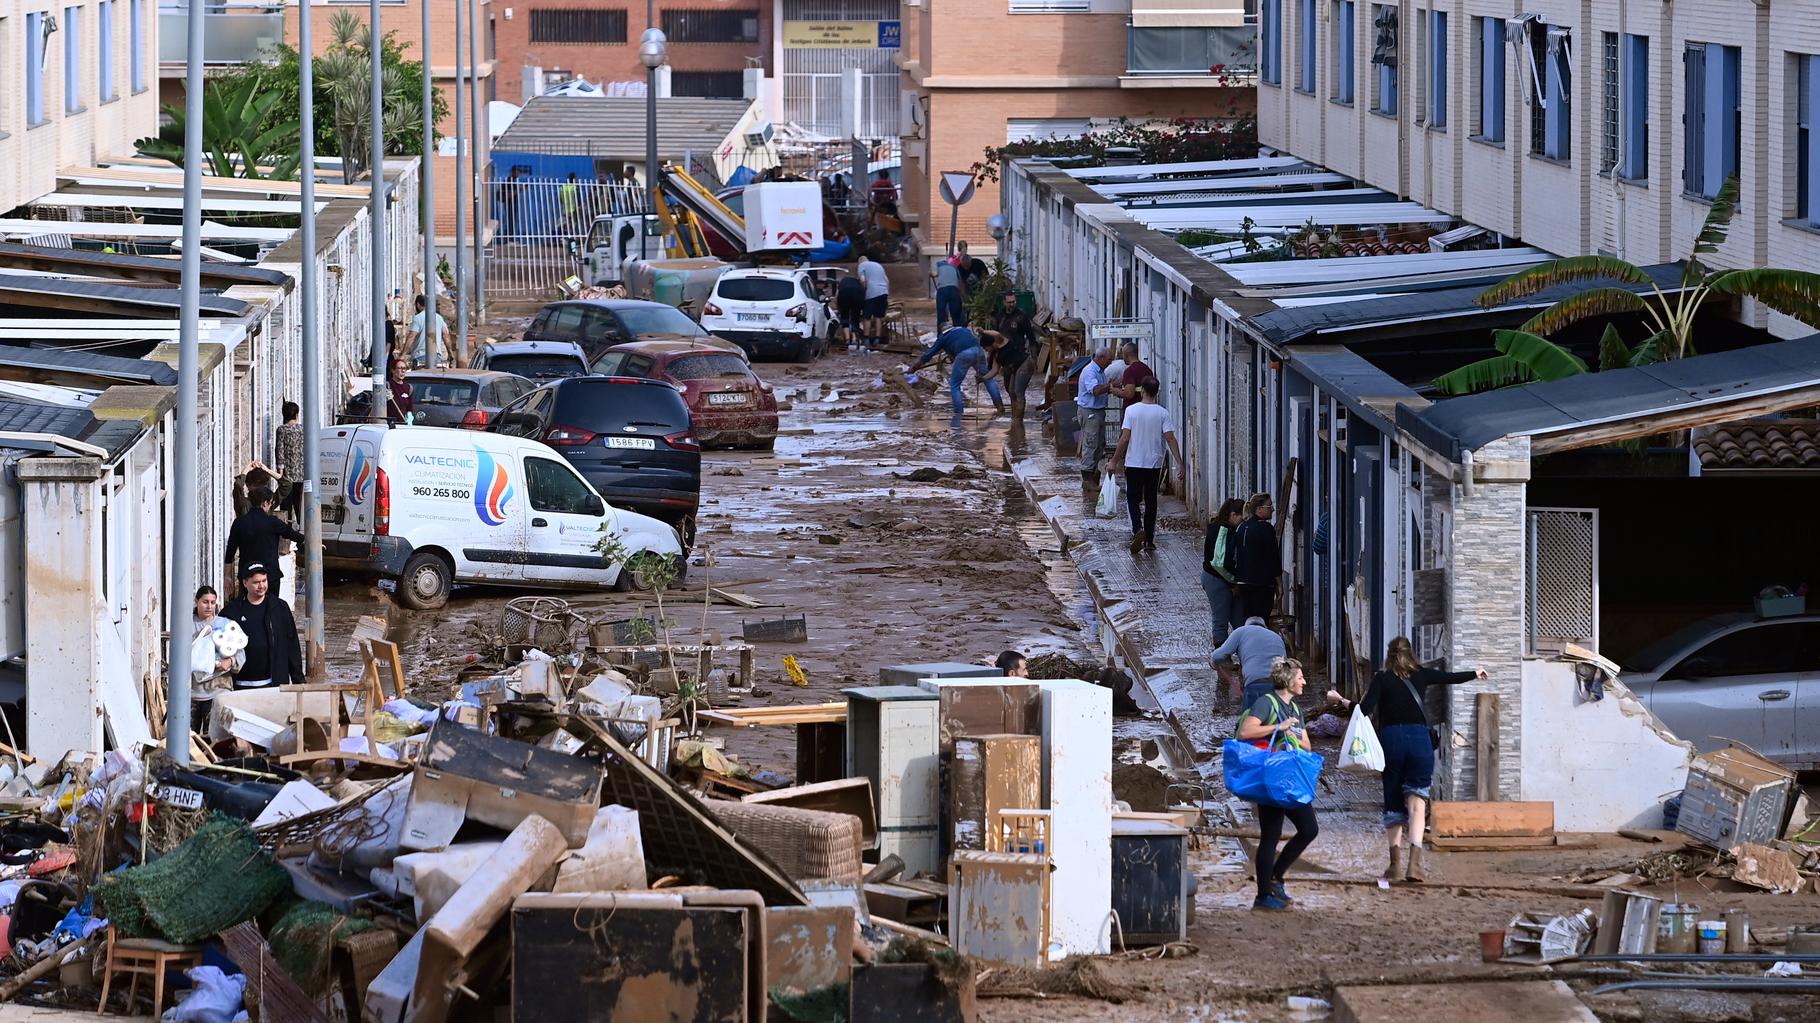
(875, 307)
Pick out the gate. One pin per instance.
(538, 220)
(1561, 586)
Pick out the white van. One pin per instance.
(432, 508)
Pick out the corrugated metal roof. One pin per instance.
(58, 292)
(21, 415)
(114, 264)
(613, 127)
(107, 367)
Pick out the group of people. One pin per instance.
(861, 300)
(1006, 355)
(1147, 446)
(957, 278)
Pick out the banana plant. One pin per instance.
(240, 136)
(1527, 355)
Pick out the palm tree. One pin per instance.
(1528, 356)
(241, 135)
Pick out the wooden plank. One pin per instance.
(1450, 819)
(737, 599)
(1486, 707)
(802, 714)
(1491, 843)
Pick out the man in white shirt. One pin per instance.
(1147, 436)
(878, 297)
(1090, 404)
(418, 339)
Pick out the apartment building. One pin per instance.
(1575, 127)
(981, 74)
(712, 42)
(78, 82)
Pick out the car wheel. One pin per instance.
(425, 582)
(806, 353)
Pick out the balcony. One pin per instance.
(1189, 56)
(231, 33)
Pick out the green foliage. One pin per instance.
(244, 133)
(1197, 238)
(1231, 137)
(1526, 358)
(985, 300)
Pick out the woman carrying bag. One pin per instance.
(1409, 750)
(1274, 722)
(1216, 565)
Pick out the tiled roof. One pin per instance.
(1759, 444)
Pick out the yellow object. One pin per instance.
(798, 677)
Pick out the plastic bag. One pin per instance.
(1284, 777)
(1109, 496)
(216, 998)
(1360, 750)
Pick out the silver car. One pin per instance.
(1737, 676)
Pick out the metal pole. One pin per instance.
(183, 484)
(376, 169)
(429, 200)
(644, 236)
(313, 645)
(462, 142)
(474, 165)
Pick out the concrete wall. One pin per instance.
(1605, 765)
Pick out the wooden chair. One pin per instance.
(139, 957)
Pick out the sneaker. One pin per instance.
(1269, 904)
(1277, 889)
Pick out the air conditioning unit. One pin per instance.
(759, 136)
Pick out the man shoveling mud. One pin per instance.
(964, 346)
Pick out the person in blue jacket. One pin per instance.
(964, 347)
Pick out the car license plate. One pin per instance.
(635, 443)
(753, 317)
(728, 398)
(182, 798)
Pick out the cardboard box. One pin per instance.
(467, 775)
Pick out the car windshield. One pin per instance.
(538, 367)
(443, 392)
(1657, 656)
(658, 319)
(755, 289)
(703, 367)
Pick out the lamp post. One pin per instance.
(376, 168)
(461, 198)
(426, 182)
(189, 349)
(653, 53)
(313, 647)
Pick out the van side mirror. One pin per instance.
(594, 506)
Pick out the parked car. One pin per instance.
(535, 360)
(596, 324)
(432, 508)
(730, 406)
(771, 313)
(631, 438)
(467, 398)
(1737, 676)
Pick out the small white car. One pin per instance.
(431, 508)
(771, 313)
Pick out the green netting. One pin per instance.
(303, 941)
(822, 1005)
(217, 878)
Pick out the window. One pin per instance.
(104, 37)
(1784, 649)
(1306, 38)
(1608, 101)
(1633, 64)
(72, 59)
(1551, 78)
(554, 487)
(708, 367)
(1807, 140)
(735, 26)
(1384, 58)
(34, 69)
(1177, 50)
(754, 289)
(1021, 129)
(1270, 41)
(1489, 33)
(578, 25)
(1345, 50)
(136, 20)
(1437, 69)
(1050, 6)
(708, 84)
(1710, 117)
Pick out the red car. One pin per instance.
(729, 405)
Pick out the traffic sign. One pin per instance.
(956, 187)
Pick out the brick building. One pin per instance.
(712, 42)
(984, 74)
(78, 82)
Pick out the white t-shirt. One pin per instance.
(874, 275)
(1148, 422)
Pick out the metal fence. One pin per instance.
(1562, 578)
(537, 222)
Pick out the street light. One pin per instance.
(997, 225)
(653, 53)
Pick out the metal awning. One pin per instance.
(96, 297)
(211, 231)
(1150, 170)
(1131, 189)
(1267, 215)
(1376, 270)
(41, 365)
(164, 201)
(1354, 382)
(89, 263)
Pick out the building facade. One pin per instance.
(78, 82)
(712, 42)
(978, 75)
(1579, 128)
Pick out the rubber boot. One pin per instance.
(1417, 871)
(1394, 872)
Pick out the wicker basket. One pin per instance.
(807, 844)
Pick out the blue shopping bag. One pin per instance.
(1282, 777)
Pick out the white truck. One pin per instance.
(764, 219)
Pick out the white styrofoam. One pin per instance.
(1077, 787)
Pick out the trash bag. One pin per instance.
(216, 997)
(1360, 750)
(1109, 496)
(1283, 777)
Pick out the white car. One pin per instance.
(431, 508)
(772, 313)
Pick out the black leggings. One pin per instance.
(1140, 499)
(1272, 865)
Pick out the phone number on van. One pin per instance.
(459, 495)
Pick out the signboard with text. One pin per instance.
(843, 35)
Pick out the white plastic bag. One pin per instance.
(1109, 496)
(1360, 750)
(216, 998)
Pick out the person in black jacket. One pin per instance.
(1395, 696)
(1259, 562)
(273, 655)
(253, 538)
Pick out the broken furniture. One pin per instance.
(980, 704)
(847, 795)
(807, 844)
(1150, 890)
(988, 774)
(911, 674)
(778, 630)
(1537, 938)
(1627, 923)
(821, 734)
(998, 906)
(907, 993)
(1734, 796)
(891, 741)
(808, 948)
(144, 957)
(1077, 749)
(466, 774)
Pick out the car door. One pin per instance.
(1741, 685)
(565, 524)
(818, 310)
(599, 331)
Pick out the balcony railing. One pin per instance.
(231, 33)
(1230, 51)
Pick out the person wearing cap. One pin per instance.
(273, 654)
